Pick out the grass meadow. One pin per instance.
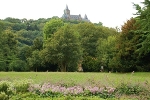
(82, 79)
(77, 77)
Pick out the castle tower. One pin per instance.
(67, 12)
(80, 18)
(66, 6)
(67, 16)
(85, 17)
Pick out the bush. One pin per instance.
(10, 88)
(18, 65)
(2, 66)
(3, 96)
(4, 85)
(22, 86)
(91, 64)
(129, 89)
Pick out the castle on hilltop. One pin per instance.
(67, 16)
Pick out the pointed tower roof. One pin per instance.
(67, 7)
(85, 16)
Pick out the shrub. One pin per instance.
(91, 64)
(3, 96)
(18, 65)
(4, 85)
(22, 86)
(129, 89)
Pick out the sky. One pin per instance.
(112, 13)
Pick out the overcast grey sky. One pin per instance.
(111, 13)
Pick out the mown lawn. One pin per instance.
(77, 77)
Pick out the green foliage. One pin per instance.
(125, 58)
(12, 20)
(34, 61)
(2, 65)
(89, 38)
(15, 34)
(63, 48)
(72, 21)
(27, 37)
(129, 89)
(132, 47)
(37, 44)
(3, 96)
(4, 85)
(99, 24)
(51, 94)
(90, 64)
(130, 25)
(24, 52)
(92, 47)
(6, 88)
(30, 96)
(26, 96)
(126, 52)
(51, 27)
(143, 19)
(143, 51)
(8, 48)
(106, 51)
(49, 44)
(10, 88)
(22, 85)
(1, 27)
(69, 98)
(18, 65)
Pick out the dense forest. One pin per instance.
(55, 44)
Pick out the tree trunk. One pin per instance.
(80, 69)
(36, 69)
(63, 67)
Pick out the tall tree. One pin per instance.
(126, 46)
(34, 61)
(51, 27)
(1, 27)
(143, 20)
(143, 15)
(37, 44)
(106, 51)
(2, 63)
(8, 47)
(89, 38)
(64, 48)
(129, 25)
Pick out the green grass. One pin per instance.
(79, 78)
(28, 96)
(108, 79)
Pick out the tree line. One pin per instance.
(55, 44)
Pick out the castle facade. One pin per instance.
(67, 16)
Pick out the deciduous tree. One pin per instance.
(64, 48)
(51, 27)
